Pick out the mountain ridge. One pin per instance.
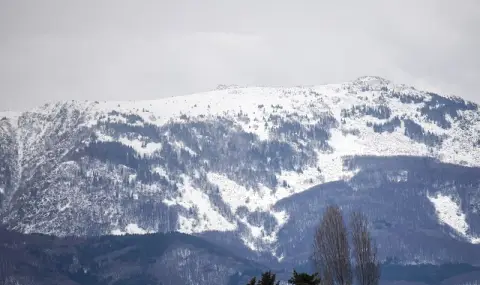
(222, 161)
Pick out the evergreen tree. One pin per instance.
(253, 281)
(304, 279)
(268, 278)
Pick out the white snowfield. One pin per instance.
(450, 213)
(353, 136)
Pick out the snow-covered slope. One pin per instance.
(221, 161)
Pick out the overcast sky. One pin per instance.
(132, 50)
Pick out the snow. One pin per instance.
(249, 108)
(63, 208)
(131, 229)
(263, 199)
(2, 191)
(103, 137)
(449, 213)
(140, 147)
(255, 104)
(180, 145)
(208, 217)
(400, 176)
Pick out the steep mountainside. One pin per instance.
(252, 167)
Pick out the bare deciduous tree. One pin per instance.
(331, 252)
(367, 266)
(4, 266)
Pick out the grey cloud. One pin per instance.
(125, 50)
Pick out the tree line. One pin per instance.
(341, 255)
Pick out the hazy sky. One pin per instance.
(115, 50)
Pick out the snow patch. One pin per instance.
(63, 208)
(262, 199)
(131, 229)
(103, 137)
(208, 218)
(400, 176)
(132, 178)
(141, 147)
(179, 145)
(449, 212)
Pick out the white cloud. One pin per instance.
(55, 50)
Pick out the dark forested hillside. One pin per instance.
(161, 259)
(173, 258)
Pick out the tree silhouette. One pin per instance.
(367, 266)
(304, 279)
(267, 278)
(331, 251)
(252, 281)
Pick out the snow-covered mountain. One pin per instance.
(252, 167)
